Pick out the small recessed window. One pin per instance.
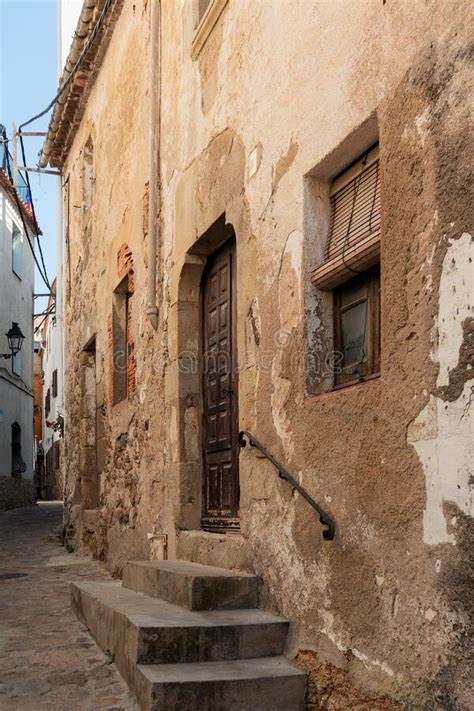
(17, 249)
(47, 403)
(54, 384)
(18, 465)
(88, 178)
(351, 269)
(206, 15)
(202, 7)
(357, 328)
(121, 338)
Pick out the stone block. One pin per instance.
(191, 585)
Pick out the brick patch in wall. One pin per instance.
(124, 270)
(124, 260)
(330, 689)
(131, 358)
(110, 341)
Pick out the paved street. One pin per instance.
(47, 658)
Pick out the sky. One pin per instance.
(28, 79)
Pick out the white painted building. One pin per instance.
(16, 374)
(52, 332)
(53, 409)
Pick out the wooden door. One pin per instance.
(220, 411)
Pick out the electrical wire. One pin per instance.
(20, 208)
(38, 241)
(76, 66)
(50, 312)
(46, 311)
(61, 90)
(85, 49)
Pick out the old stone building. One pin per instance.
(267, 229)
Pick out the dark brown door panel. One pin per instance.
(219, 378)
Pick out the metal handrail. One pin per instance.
(328, 533)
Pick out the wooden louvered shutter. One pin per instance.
(354, 237)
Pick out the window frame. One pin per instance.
(16, 453)
(204, 25)
(88, 177)
(121, 340)
(371, 364)
(17, 235)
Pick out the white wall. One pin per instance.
(68, 12)
(16, 304)
(52, 360)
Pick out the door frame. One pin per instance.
(221, 524)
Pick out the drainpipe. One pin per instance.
(154, 129)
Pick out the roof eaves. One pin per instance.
(69, 109)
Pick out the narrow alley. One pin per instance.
(47, 658)
(236, 355)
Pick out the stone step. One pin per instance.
(137, 629)
(272, 684)
(192, 585)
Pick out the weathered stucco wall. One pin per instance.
(102, 224)
(16, 383)
(275, 105)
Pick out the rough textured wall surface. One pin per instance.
(15, 493)
(108, 447)
(253, 129)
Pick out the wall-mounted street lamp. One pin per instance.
(15, 340)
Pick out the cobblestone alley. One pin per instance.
(47, 658)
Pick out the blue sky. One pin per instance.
(27, 85)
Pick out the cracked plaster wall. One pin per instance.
(244, 128)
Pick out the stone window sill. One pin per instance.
(352, 385)
(205, 27)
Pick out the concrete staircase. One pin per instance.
(189, 637)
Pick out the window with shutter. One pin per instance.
(353, 244)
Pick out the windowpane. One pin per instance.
(355, 290)
(353, 322)
(17, 244)
(357, 327)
